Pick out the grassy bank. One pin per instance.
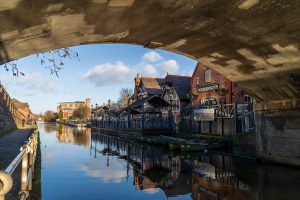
(36, 193)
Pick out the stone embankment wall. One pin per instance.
(10, 117)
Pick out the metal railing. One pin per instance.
(27, 155)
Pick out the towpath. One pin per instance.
(9, 148)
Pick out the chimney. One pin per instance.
(137, 79)
(88, 102)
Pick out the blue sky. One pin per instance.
(101, 71)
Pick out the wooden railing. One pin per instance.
(27, 155)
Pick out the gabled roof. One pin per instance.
(155, 101)
(117, 112)
(99, 108)
(20, 104)
(152, 85)
(182, 85)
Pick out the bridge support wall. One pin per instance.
(278, 131)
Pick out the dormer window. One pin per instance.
(207, 75)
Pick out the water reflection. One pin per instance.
(106, 167)
(204, 176)
(65, 134)
(49, 128)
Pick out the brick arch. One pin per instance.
(238, 38)
(253, 43)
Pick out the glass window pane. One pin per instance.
(207, 74)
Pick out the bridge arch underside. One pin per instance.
(255, 43)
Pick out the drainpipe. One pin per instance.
(143, 115)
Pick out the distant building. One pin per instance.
(67, 108)
(23, 108)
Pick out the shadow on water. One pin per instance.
(155, 169)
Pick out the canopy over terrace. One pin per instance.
(137, 116)
(154, 101)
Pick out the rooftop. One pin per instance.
(20, 104)
(152, 85)
(182, 85)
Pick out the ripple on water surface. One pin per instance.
(81, 164)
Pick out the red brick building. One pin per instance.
(209, 87)
(23, 108)
(230, 109)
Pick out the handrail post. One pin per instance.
(24, 173)
(31, 160)
(6, 183)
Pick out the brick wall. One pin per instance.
(233, 94)
(10, 116)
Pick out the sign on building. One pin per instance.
(242, 108)
(208, 88)
(204, 114)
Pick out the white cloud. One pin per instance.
(151, 190)
(109, 73)
(151, 64)
(152, 56)
(170, 66)
(159, 69)
(29, 93)
(187, 73)
(114, 173)
(149, 70)
(31, 83)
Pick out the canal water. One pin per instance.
(87, 165)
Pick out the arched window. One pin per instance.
(207, 75)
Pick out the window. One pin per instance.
(247, 99)
(207, 75)
(197, 81)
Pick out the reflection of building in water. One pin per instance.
(153, 168)
(65, 134)
(212, 183)
(204, 176)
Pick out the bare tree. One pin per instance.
(125, 94)
(49, 116)
(52, 60)
(82, 112)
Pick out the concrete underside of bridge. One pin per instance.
(254, 43)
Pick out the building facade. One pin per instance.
(146, 86)
(68, 108)
(24, 110)
(226, 107)
(176, 91)
(11, 115)
(209, 87)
